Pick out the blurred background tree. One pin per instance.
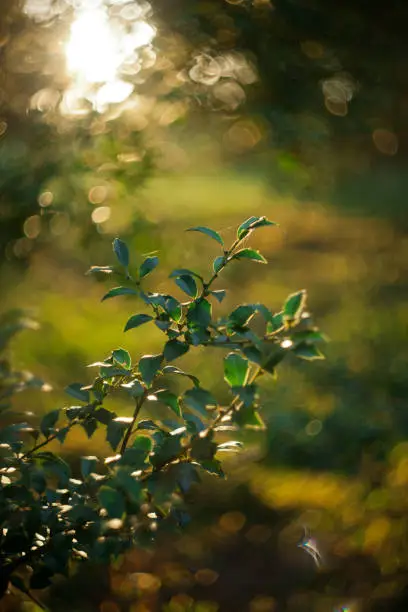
(143, 119)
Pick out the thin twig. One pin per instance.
(129, 430)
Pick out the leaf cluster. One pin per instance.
(51, 516)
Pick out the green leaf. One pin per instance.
(136, 320)
(168, 449)
(48, 422)
(113, 501)
(273, 359)
(252, 223)
(89, 426)
(130, 484)
(149, 366)
(122, 357)
(198, 399)
(88, 465)
(307, 351)
(246, 394)
(173, 308)
(116, 291)
(134, 388)
(148, 265)
(185, 272)
(115, 432)
(275, 323)
(187, 284)
(169, 399)
(248, 417)
(171, 369)
(174, 349)
(219, 294)
(136, 455)
(203, 449)
(212, 466)
(62, 434)
(241, 315)
(250, 254)
(219, 263)
(253, 354)
(209, 232)
(235, 369)
(75, 390)
(200, 313)
(121, 251)
(294, 305)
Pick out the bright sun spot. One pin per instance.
(97, 48)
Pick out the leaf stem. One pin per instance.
(129, 431)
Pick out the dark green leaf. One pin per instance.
(212, 466)
(203, 449)
(200, 313)
(115, 432)
(48, 422)
(174, 349)
(241, 315)
(185, 272)
(173, 308)
(149, 264)
(121, 251)
(171, 369)
(275, 323)
(122, 357)
(273, 359)
(252, 223)
(186, 475)
(218, 263)
(209, 232)
(235, 369)
(75, 390)
(307, 351)
(170, 400)
(248, 417)
(250, 254)
(136, 455)
(187, 284)
(134, 388)
(148, 367)
(62, 434)
(90, 426)
(198, 399)
(130, 485)
(246, 394)
(253, 354)
(168, 449)
(294, 305)
(113, 501)
(219, 294)
(136, 320)
(116, 291)
(104, 416)
(88, 465)
(38, 481)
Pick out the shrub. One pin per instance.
(51, 516)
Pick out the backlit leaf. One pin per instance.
(209, 232)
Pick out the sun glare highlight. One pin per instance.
(97, 49)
